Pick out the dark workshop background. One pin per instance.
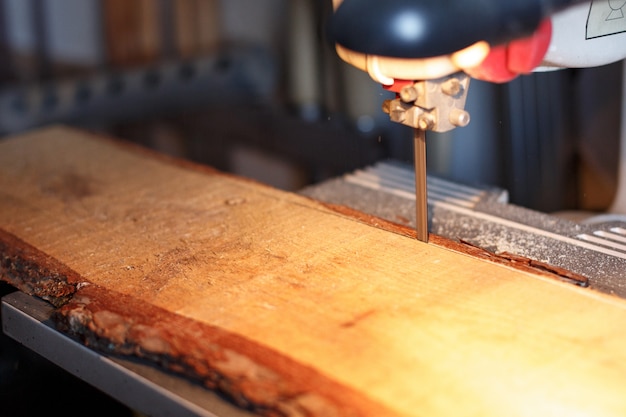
(254, 87)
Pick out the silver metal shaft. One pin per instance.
(421, 189)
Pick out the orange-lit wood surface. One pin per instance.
(287, 306)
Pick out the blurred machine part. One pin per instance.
(224, 78)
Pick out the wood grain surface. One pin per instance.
(288, 306)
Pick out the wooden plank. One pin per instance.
(197, 27)
(289, 307)
(209, 27)
(186, 22)
(131, 32)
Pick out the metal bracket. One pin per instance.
(437, 105)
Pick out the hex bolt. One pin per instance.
(409, 94)
(452, 87)
(386, 106)
(459, 117)
(425, 122)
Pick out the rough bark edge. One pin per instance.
(34, 272)
(253, 376)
